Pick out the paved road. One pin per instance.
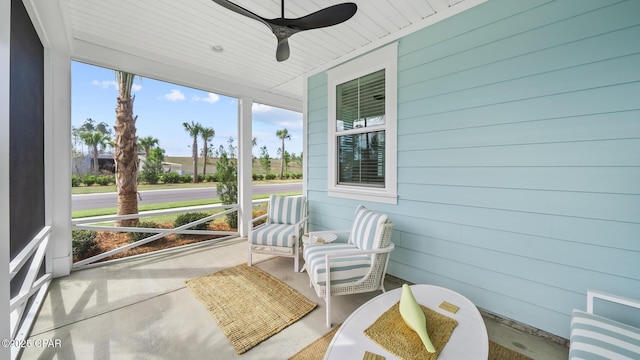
(96, 201)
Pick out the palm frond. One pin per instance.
(125, 81)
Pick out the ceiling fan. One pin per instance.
(283, 28)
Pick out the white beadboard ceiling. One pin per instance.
(161, 36)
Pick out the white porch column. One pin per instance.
(5, 40)
(245, 164)
(57, 125)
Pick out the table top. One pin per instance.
(469, 339)
(326, 237)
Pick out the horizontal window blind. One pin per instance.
(360, 102)
(361, 159)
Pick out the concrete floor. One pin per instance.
(140, 309)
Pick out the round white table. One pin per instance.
(469, 339)
(319, 238)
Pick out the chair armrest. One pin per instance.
(383, 250)
(302, 221)
(329, 256)
(259, 218)
(253, 221)
(592, 294)
(344, 231)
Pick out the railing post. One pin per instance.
(57, 160)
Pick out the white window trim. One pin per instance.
(384, 58)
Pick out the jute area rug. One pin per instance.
(248, 304)
(317, 349)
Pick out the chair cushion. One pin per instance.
(596, 337)
(285, 209)
(274, 235)
(366, 225)
(344, 269)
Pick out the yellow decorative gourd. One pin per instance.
(414, 317)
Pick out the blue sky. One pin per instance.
(163, 107)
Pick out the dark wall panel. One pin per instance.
(26, 149)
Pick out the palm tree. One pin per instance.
(147, 143)
(282, 134)
(206, 134)
(126, 150)
(194, 130)
(95, 139)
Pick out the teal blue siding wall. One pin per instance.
(518, 156)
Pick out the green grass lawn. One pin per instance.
(160, 206)
(96, 189)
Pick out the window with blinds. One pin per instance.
(362, 127)
(360, 130)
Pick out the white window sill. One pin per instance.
(364, 194)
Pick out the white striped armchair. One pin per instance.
(595, 337)
(280, 235)
(354, 267)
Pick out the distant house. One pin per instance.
(167, 167)
(84, 164)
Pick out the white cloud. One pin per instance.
(174, 95)
(105, 84)
(210, 98)
(111, 83)
(260, 108)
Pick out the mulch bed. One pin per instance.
(109, 240)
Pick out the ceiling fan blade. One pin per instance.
(330, 16)
(283, 28)
(240, 10)
(282, 52)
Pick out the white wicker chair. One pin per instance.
(354, 267)
(280, 235)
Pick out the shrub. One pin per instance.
(211, 178)
(171, 178)
(201, 178)
(89, 180)
(187, 178)
(104, 180)
(75, 181)
(83, 241)
(186, 218)
(286, 175)
(151, 171)
(148, 177)
(227, 187)
(137, 236)
(270, 176)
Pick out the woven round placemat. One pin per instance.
(249, 304)
(394, 335)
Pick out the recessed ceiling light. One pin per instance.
(217, 48)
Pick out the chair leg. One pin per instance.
(327, 300)
(296, 263)
(249, 258)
